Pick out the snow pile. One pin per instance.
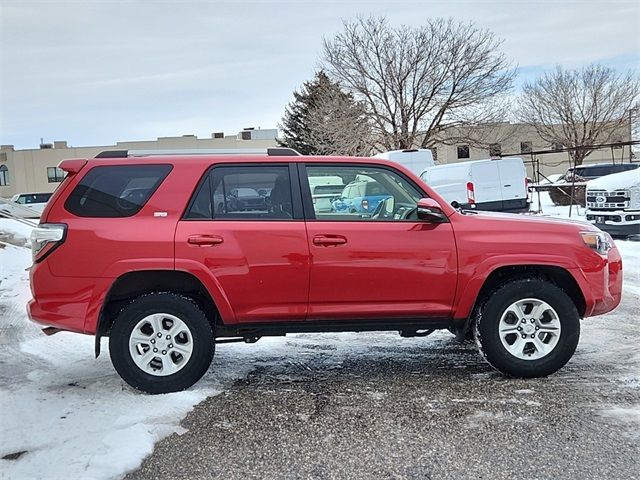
(15, 233)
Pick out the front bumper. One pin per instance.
(601, 283)
(622, 223)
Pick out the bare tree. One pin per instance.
(337, 125)
(579, 108)
(420, 83)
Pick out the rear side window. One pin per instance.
(115, 191)
(252, 192)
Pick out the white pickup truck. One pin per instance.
(613, 203)
(25, 205)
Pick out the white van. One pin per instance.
(416, 160)
(495, 185)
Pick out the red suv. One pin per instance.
(169, 254)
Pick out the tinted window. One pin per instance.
(115, 191)
(247, 192)
(201, 204)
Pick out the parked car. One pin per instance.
(494, 185)
(166, 276)
(27, 205)
(360, 196)
(597, 170)
(417, 160)
(613, 203)
(242, 199)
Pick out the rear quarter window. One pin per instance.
(115, 191)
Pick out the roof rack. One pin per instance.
(271, 152)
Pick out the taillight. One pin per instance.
(471, 196)
(45, 238)
(365, 204)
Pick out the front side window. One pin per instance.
(252, 192)
(55, 174)
(115, 191)
(370, 193)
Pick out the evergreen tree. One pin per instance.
(323, 119)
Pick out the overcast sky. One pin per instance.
(96, 72)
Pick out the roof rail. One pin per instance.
(271, 152)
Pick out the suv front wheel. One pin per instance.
(161, 343)
(527, 328)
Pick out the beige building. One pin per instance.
(520, 140)
(35, 170)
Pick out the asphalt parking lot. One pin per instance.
(419, 408)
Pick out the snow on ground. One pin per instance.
(66, 415)
(545, 207)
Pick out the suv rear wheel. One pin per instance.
(161, 342)
(527, 328)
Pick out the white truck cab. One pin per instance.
(613, 203)
(498, 185)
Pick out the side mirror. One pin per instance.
(430, 211)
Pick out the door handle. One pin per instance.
(329, 240)
(205, 240)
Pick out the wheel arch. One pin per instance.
(559, 276)
(133, 284)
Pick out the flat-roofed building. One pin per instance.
(35, 170)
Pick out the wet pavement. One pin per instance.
(376, 406)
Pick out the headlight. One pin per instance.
(601, 242)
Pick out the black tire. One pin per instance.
(174, 304)
(487, 336)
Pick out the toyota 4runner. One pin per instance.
(158, 253)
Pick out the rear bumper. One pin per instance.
(67, 303)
